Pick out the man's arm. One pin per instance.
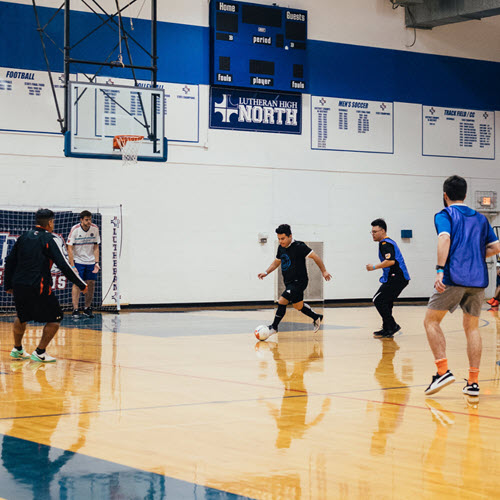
(381, 265)
(443, 250)
(389, 253)
(492, 249)
(57, 254)
(96, 256)
(317, 259)
(10, 267)
(275, 264)
(71, 255)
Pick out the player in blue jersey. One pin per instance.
(465, 240)
(395, 278)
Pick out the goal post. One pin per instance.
(17, 219)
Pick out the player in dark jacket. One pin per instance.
(28, 277)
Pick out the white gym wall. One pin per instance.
(191, 224)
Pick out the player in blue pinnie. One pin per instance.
(291, 256)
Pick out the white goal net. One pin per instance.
(15, 220)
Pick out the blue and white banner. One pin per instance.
(458, 133)
(255, 111)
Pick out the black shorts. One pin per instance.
(294, 292)
(31, 306)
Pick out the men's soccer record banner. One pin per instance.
(255, 111)
(13, 224)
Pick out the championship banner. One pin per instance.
(255, 111)
(340, 124)
(13, 224)
(458, 133)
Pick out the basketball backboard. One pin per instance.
(99, 112)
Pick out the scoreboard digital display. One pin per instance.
(258, 46)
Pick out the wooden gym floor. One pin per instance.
(152, 405)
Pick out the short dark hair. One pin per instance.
(455, 187)
(43, 216)
(85, 213)
(284, 229)
(380, 223)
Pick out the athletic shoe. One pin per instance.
(22, 354)
(87, 312)
(272, 331)
(493, 302)
(42, 358)
(75, 314)
(471, 389)
(439, 381)
(317, 323)
(386, 334)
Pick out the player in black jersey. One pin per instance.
(28, 277)
(292, 256)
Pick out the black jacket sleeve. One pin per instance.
(10, 267)
(57, 255)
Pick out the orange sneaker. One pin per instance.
(493, 302)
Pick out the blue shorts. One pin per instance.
(85, 271)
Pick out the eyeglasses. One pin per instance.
(375, 232)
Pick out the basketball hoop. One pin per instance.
(129, 145)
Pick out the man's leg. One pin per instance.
(75, 296)
(383, 302)
(280, 313)
(474, 347)
(437, 343)
(49, 331)
(90, 293)
(435, 335)
(18, 330)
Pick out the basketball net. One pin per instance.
(129, 145)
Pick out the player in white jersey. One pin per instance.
(83, 252)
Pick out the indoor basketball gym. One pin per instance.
(191, 131)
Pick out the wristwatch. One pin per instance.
(438, 268)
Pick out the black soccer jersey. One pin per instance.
(387, 251)
(293, 262)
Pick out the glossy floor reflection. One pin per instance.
(190, 405)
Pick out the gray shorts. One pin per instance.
(468, 298)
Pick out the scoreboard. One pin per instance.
(258, 46)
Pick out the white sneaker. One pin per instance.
(42, 358)
(317, 323)
(22, 354)
(272, 331)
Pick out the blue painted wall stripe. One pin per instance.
(335, 69)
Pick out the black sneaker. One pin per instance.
(471, 389)
(439, 381)
(386, 334)
(75, 314)
(87, 312)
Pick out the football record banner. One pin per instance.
(352, 125)
(459, 133)
(27, 102)
(13, 224)
(255, 111)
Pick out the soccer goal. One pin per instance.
(15, 220)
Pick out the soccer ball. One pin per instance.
(262, 332)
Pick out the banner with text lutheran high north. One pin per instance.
(255, 111)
